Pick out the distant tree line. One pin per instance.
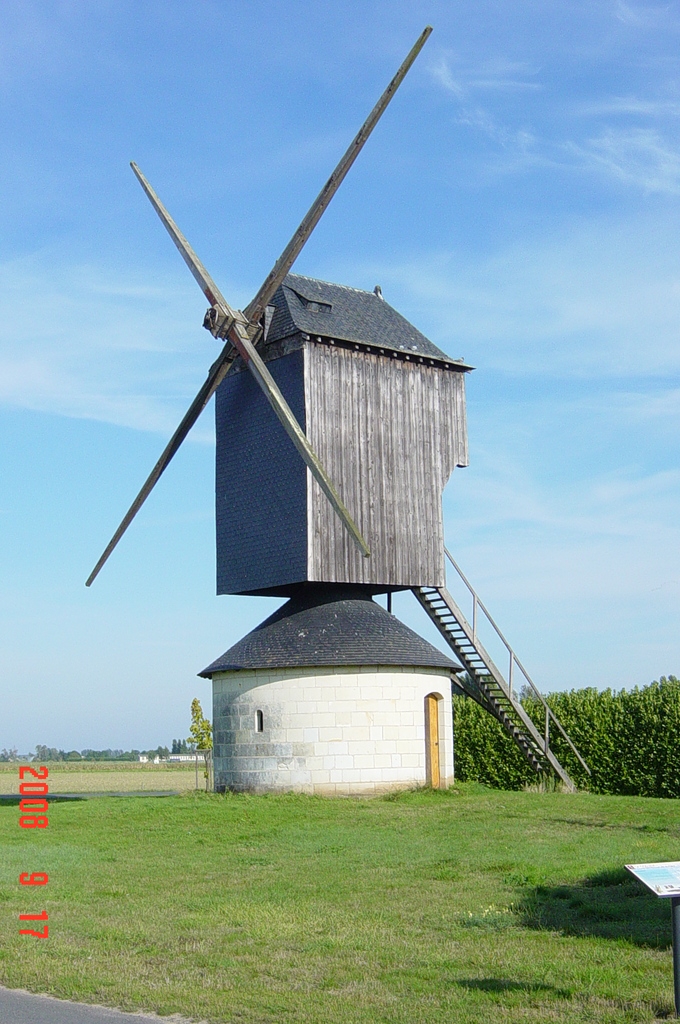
(630, 739)
(43, 753)
(200, 738)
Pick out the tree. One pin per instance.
(43, 754)
(201, 735)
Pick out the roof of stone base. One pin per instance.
(330, 630)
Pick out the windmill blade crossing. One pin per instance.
(223, 321)
(238, 343)
(485, 683)
(242, 330)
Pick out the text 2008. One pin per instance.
(33, 805)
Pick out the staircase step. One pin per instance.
(492, 688)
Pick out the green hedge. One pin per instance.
(629, 739)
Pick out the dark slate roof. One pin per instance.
(338, 626)
(318, 308)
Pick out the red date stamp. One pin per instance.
(33, 806)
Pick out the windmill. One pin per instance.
(332, 693)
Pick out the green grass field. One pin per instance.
(466, 906)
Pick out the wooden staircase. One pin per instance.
(485, 683)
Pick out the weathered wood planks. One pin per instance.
(390, 432)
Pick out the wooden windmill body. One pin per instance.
(338, 426)
(332, 694)
(383, 408)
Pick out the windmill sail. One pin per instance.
(312, 217)
(239, 327)
(238, 343)
(200, 274)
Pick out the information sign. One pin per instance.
(663, 878)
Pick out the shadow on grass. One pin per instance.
(610, 905)
(503, 985)
(53, 798)
(11, 799)
(613, 826)
(426, 792)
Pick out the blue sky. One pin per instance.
(519, 202)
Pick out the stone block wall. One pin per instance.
(338, 731)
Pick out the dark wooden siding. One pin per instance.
(260, 484)
(389, 433)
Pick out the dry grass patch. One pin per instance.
(109, 777)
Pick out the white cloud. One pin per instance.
(497, 75)
(566, 520)
(603, 300)
(641, 16)
(506, 493)
(637, 156)
(441, 72)
(637, 149)
(622, 105)
(576, 572)
(101, 344)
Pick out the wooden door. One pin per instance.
(432, 740)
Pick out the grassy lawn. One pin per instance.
(464, 906)
(109, 777)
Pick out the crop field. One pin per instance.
(464, 906)
(109, 777)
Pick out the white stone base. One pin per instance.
(338, 731)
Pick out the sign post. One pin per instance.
(675, 911)
(664, 880)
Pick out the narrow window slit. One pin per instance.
(259, 721)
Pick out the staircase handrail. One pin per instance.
(541, 746)
(514, 660)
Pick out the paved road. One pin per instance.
(17, 1007)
